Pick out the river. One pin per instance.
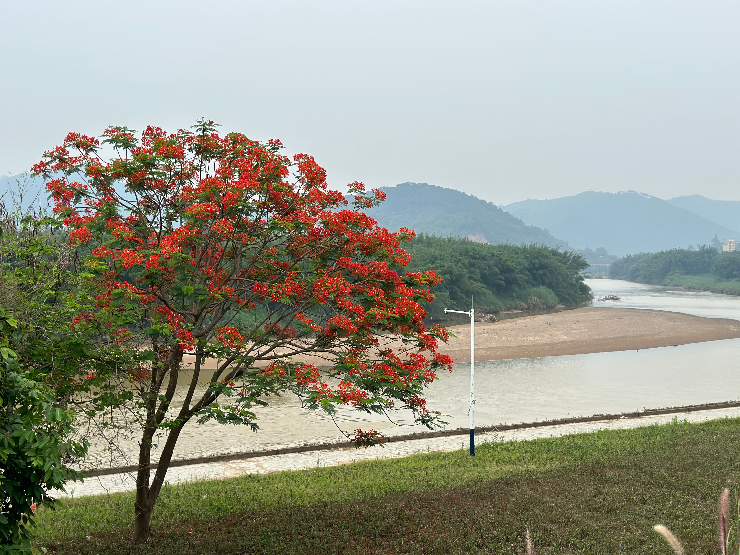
(522, 390)
(656, 297)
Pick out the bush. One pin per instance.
(34, 446)
(727, 265)
(537, 298)
(702, 282)
(727, 287)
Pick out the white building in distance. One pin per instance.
(729, 246)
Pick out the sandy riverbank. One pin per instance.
(586, 330)
(574, 332)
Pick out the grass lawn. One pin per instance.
(587, 493)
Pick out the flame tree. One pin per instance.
(208, 247)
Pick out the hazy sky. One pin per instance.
(504, 100)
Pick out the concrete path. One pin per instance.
(298, 461)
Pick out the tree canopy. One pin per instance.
(655, 267)
(499, 277)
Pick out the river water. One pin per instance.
(526, 390)
(522, 390)
(637, 295)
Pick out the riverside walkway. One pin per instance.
(234, 466)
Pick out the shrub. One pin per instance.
(537, 298)
(34, 446)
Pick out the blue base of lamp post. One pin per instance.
(472, 443)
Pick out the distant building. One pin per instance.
(729, 246)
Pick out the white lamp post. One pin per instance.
(471, 313)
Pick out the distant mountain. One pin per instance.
(723, 212)
(622, 223)
(32, 188)
(424, 208)
(22, 179)
(447, 212)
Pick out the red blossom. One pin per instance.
(207, 228)
(186, 338)
(367, 438)
(81, 235)
(230, 336)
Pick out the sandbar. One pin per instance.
(570, 332)
(585, 330)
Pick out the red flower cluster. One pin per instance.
(230, 337)
(207, 228)
(367, 438)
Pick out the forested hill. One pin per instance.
(622, 223)
(704, 269)
(499, 277)
(723, 212)
(446, 212)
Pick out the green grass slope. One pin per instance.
(578, 494)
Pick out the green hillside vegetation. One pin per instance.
(446, 212)
(703, 269)
(500, 277)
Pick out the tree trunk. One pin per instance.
(146, 495)
(142, 523)
(143, 504)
